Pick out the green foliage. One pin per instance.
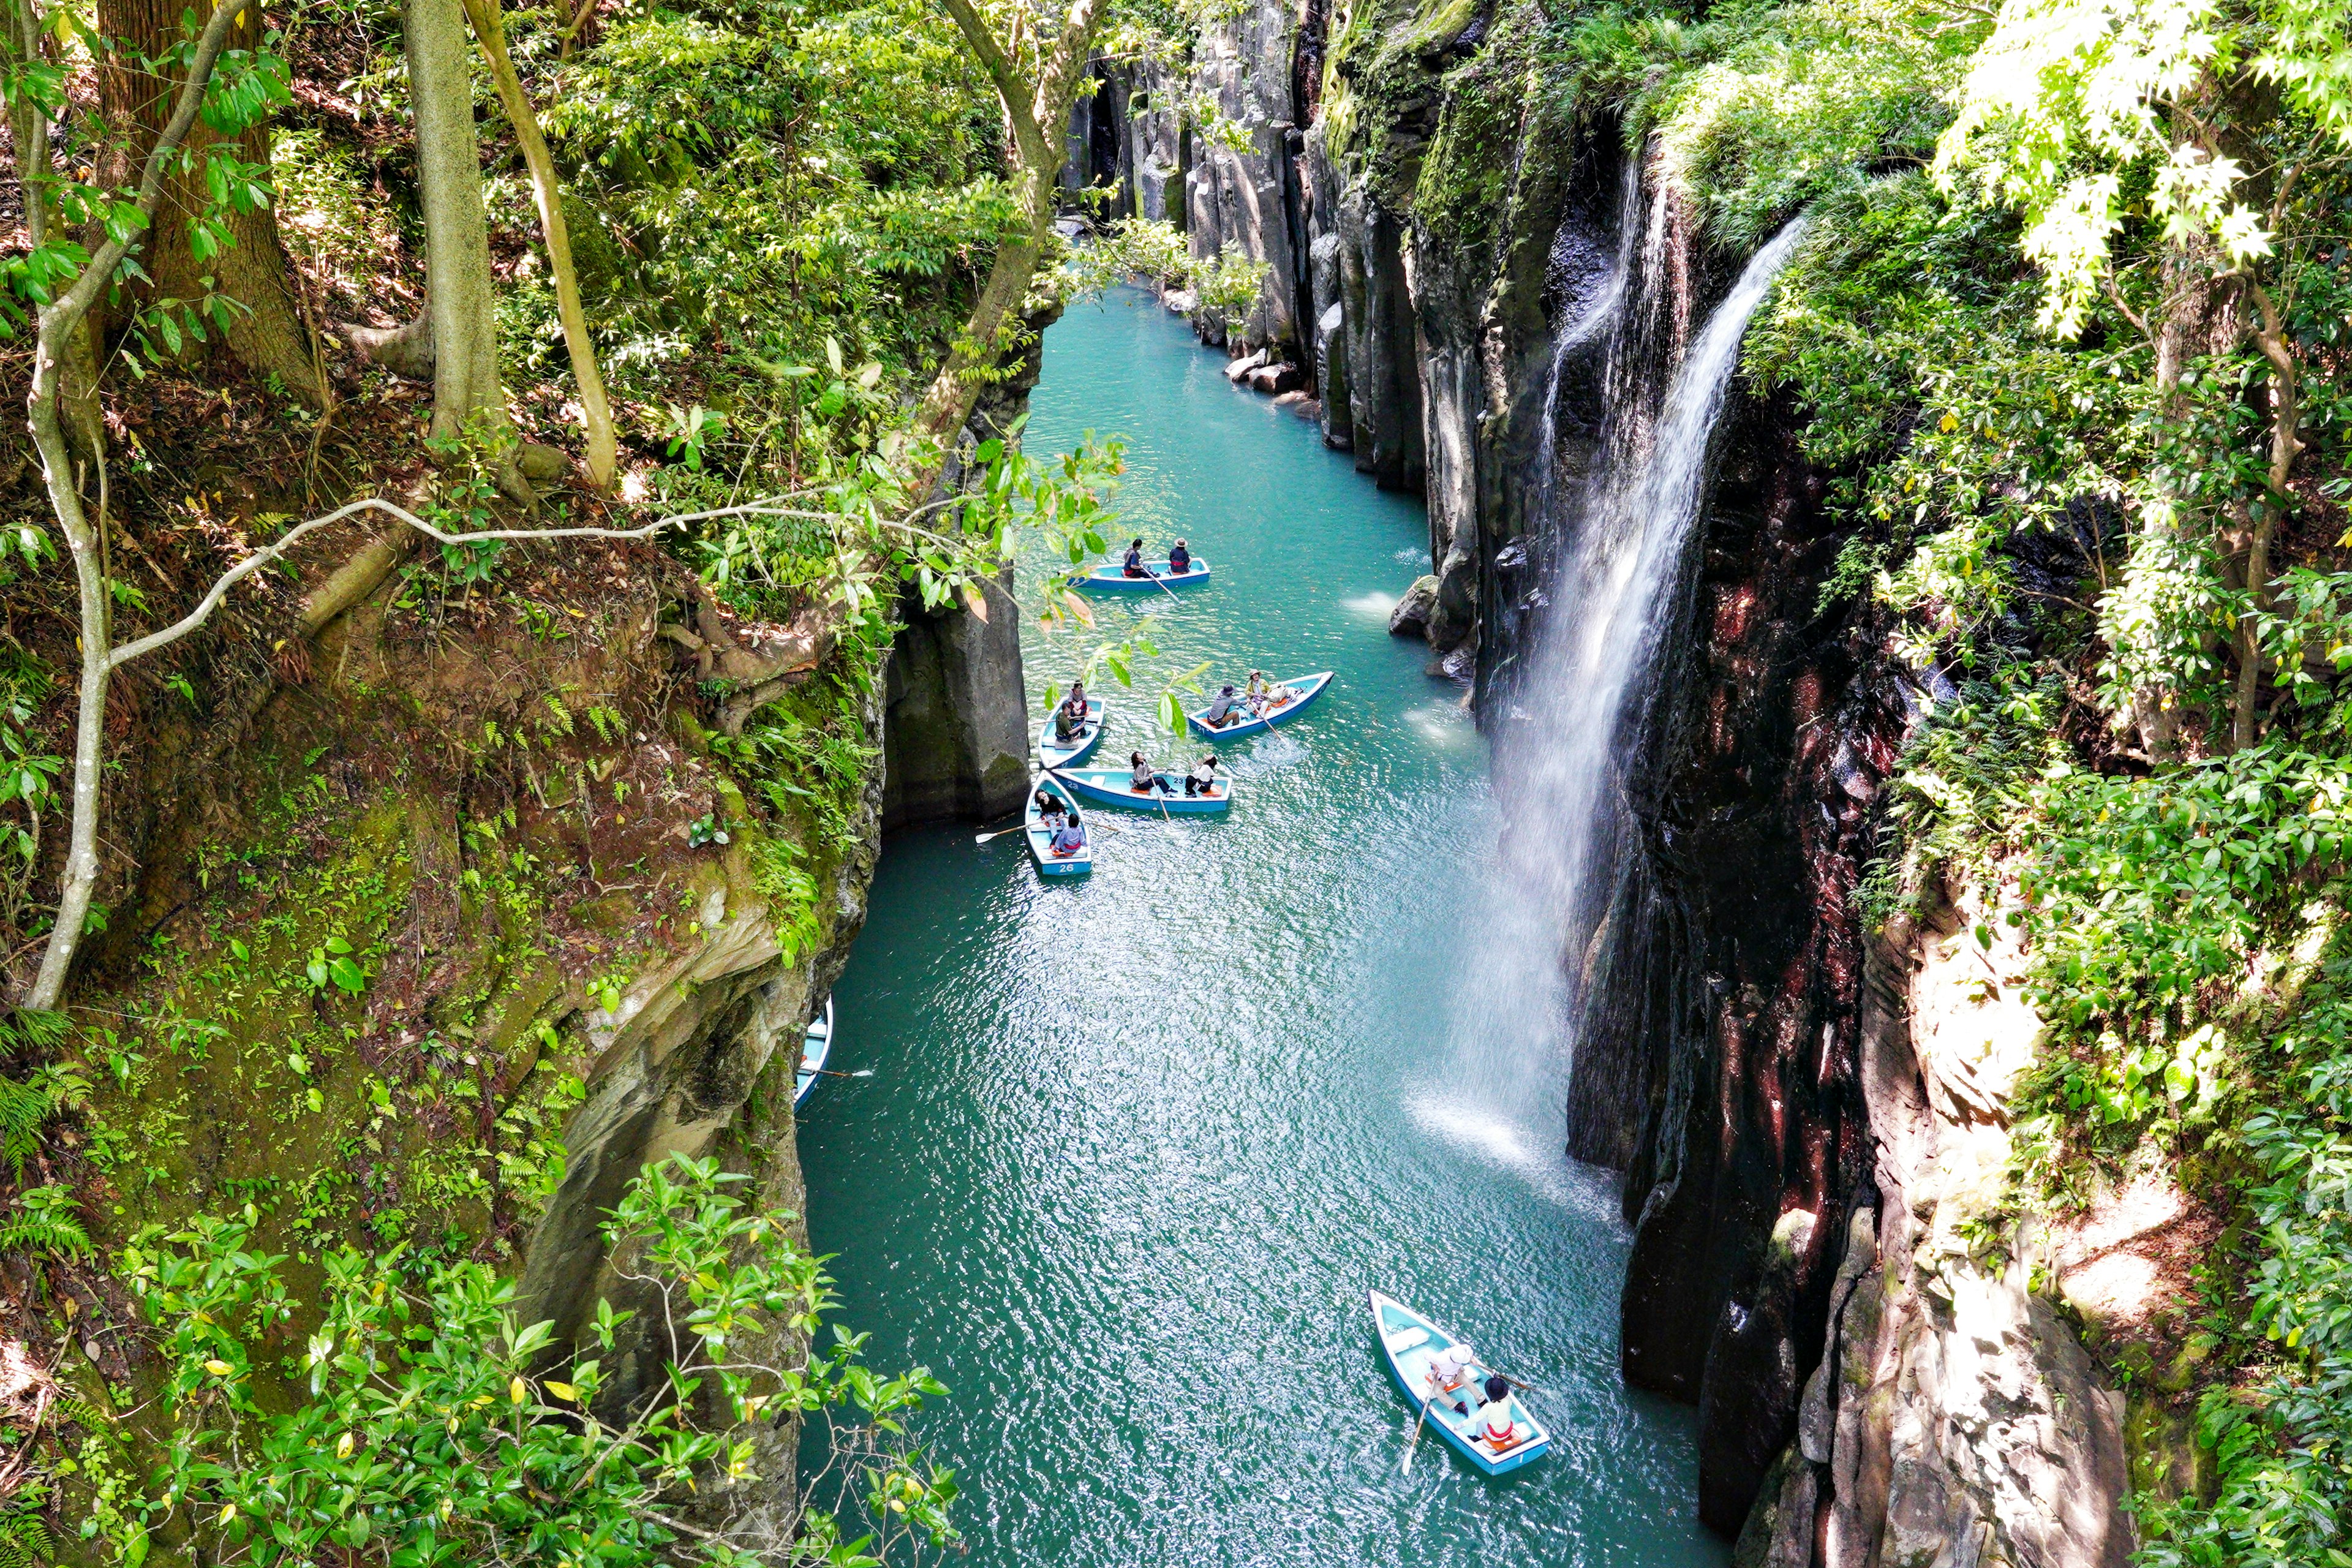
(45, 1220)
(781, 174)
(1226, 286)
(24, 1535)
(2067, 115)
(2278, 1446)
(1799, 102)
(427, 1424)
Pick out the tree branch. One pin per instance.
(1017, 96)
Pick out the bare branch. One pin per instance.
(277, 548)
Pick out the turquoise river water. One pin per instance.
(1135, 1149)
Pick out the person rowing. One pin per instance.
(1449, 1371)
(1179, 560)
(1221, 707)
(1203, 779)
(1134, 566)
(1070, 717)
(1145, 778)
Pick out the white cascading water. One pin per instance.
(1575, 717)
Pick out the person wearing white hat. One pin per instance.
(1449, 1370)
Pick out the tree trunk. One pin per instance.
(595, 412)
(457, 230)
(1030, 104)
(948, 401)
(266, 335)
(2286, 445)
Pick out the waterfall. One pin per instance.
(1579, 714)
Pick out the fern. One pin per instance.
(26, 1105)
(24, 1537)
(23, 1540)
(45, 1221)
(86, 1416)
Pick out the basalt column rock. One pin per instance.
(1245, 199)
(1381, 342)
(1955, 1415)
(956, 722)
(1736, 1010)
(956, 734)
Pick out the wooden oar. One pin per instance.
(1406, 1469)
(1092, 826)
(836, 1072)
(1507, 1378)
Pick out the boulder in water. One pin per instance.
(1241, 367)
(1411, 617)
(1273, 379)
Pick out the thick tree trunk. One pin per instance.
(266, 332)
(457, 231)
(1030, 104)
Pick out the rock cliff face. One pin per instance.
(1743, 1046)
(1955, 1415)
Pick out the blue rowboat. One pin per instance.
(1040, 838)
(1308, 687)
(1112, 578)
(1409, 1341)
(816, 1045)
(1115, 786)
(1053, 754)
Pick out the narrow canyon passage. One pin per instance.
(1135, 1149)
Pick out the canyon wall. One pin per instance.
(1744, 1047)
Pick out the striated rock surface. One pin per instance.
(1956, 1415)
(956, 731)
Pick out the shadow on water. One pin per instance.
(1135, 1149)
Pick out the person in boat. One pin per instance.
(1221, 707)
(1133, 566)
(1070, 717)
(1449, 1377)
(1068, 838)
(1203, 779)
(1147, 778)
(1254, 695)
(1179, 560)
(1495, 1423)
(1050, 809)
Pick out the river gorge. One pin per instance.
(1135, 1149)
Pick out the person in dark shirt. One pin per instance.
(1134, 567)
(1179, 560)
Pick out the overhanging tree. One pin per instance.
(1036, 68)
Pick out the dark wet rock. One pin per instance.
(1411, 616)
(1275, 379)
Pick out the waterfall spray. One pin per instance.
(1578, 716)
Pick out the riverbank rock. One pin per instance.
(1273, 379)
(1411, 616)
(1239, 369)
